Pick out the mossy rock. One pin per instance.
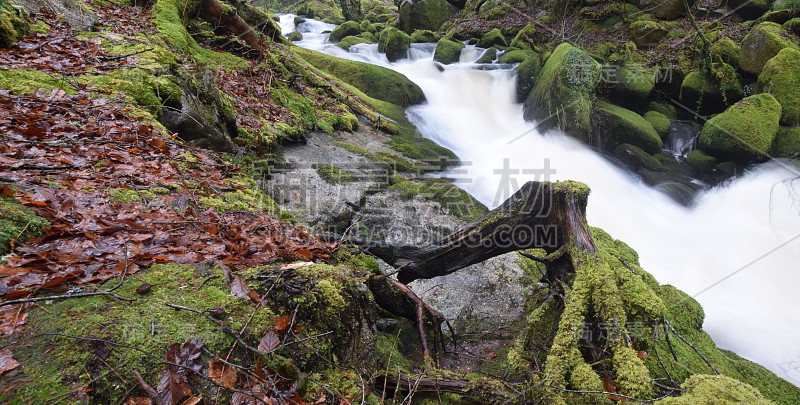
(793, 25)
(711, 92)
(18, 223)
(295, 36)
(489, 56)
(564, 94)
(457, 201)
(515, 56)
(762, 43)
(635, 158)
(634, 84)
(492, 38)
(727, 51)
(448, 51)
(777, 16)
(423, 36)
(781, 78)
(14, 24)
(349, 41)
(646, 34)
(527, 38)
(703, 389)
(701, 162)
(367, 26)
(660, 123)
(346, 29)
(786, 143)
(394, 43)
(527, 73)
(378, 82)
(669, 110)
(750, 9)
(298, 20)
(617, 126)
(424, 14)
(744, 132)
(662, 9)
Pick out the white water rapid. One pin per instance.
(736, 250)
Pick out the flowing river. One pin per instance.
(736, 249)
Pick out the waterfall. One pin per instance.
(735, 250)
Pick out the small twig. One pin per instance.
(388, 363)
(413, 390)
(207, 279)
(692, 346)
(655, 348)
(627, 265)
(59, 297)
(130, 54)
(222, 325)
(669, 342)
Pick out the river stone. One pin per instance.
(781, 78)
(786, 143)
(660, 123)
(761, 44)
(527, 73)
(424, 14)
(423, 36)
(394, 43)
(295, 36)
(346, 29)
(793, 25)
(701, 162)
(705, 88)
(744, 132)
(489, 56)
(447, 51)
(492, 38)
(635, 158)
(527, 38)
(616, 126)
(564, 94)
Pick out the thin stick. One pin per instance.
(627, 265)
(59, 297)
(655, 348)
(609, 393)
(693, 347)
(222, 325)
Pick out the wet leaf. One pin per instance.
(222, 374)
(281, 323)
(269, 342)
(143, 288)
(7, 362)
(138, 401)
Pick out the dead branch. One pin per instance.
(692, 346)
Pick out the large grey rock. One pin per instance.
(79, 18)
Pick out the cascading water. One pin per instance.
(735, 250)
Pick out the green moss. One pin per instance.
(646, 33)
(139, 86)
(713, 91)
(394, 43)
(781, 78)
(488, 56)
(620, 125)
(515, 56)
(726, 50)
(423, 36)
(527, 73)
(763, 42)
(669, 110)
(492, 38)
(448, 51)
(377, 82)
(14, 23)
(745, 131)
(123, 195)
(295, 36)
(660, 123)
(346, 29)
(40, 27)
(349, 41)
(526, 38)
(701, 162)
(334, 175)
(716, 389)
(18, 223)
(457, 201)
(21, 81)
(564, 93)
(170, 17)
(786, 143)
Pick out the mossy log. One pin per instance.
(485, 390)
(214, 11)
(543, 215)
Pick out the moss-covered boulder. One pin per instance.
(669, 110)
(527, 38)
(744, 132)
(492, 38)
(394, 43)
(793, 25)
(14, 23)
(378, 82)
(367, 26)
(660, 123)
(527, 73)
(616, 126)
(423, 36)
(786, 143)
(346, 29)
(646, 33)
(635, 158)
(700, 161)
(295, 36)
(762, 43)
(704, 389)
(632, 85)
(781, 78)
(750, 9)
(489, 56)
(349, 41)
(424, 14)
(663, 9)
(515, 56)
(564, 94)
(726, 50)
(711, 92)
(448, 51)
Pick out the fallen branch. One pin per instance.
(431, 384)
(66, 296)
(692, 346)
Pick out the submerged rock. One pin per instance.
(346, 29)
(448, 51)
(616, 126)
(394, 43)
